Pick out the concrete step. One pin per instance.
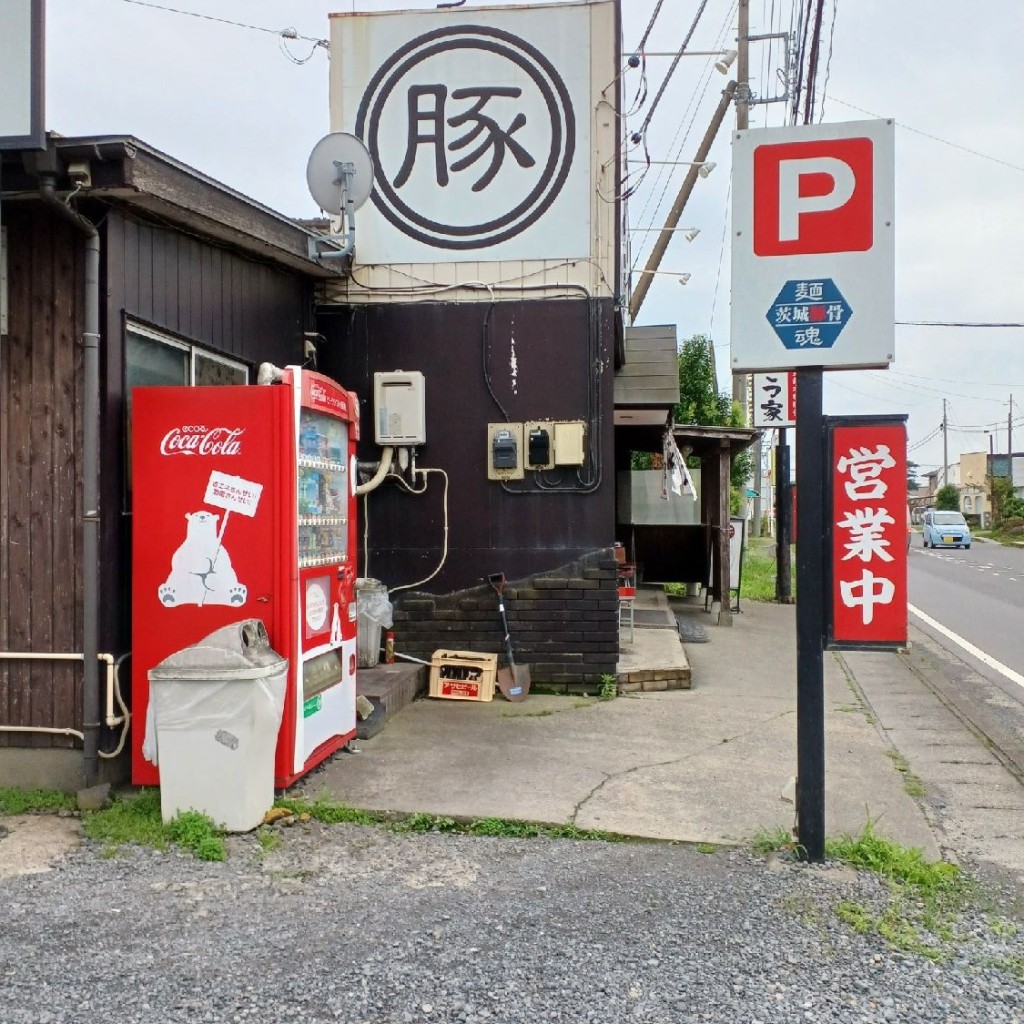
(389, 688)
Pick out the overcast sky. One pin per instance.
(228, 101)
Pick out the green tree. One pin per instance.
(912, 481)
(947, 498)
(1005, 503)
(699, 402)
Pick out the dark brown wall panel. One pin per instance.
(544, 359)
(207, 295)
(40, 474)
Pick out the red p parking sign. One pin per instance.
(813, 255)
(813, 197)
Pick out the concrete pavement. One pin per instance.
(709, 764)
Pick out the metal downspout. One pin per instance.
(90, 476)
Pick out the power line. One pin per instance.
(286, 33)
(950, 380)
(936, 138)
(672, 67)
(955, 323)
(650, 25)
(828, 59)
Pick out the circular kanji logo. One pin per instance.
(472, 135)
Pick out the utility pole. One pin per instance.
(654, 260)
(739, 380)
(1009, 436)
(945, 446)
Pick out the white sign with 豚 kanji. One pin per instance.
(813, 255)
(479, 127)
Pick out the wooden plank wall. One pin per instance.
(251, 310)
(40, 475)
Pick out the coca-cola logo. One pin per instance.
(200, 440)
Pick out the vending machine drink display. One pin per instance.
(243, 506)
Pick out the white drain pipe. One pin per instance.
(113, 693)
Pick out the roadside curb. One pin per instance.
(1007, 748)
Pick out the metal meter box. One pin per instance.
(505, 451)
(569, 439)
(399, 416)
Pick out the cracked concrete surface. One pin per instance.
(711, 764)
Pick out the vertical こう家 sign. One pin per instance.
(774, 399)
(866, 533)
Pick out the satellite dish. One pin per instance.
(337, 160)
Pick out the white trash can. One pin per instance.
(214, 714)
(373, 612)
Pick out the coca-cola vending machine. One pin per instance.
(243, 506)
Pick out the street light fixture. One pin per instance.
(682, 278)
(689, 233)
(704, 167)
(728, 59)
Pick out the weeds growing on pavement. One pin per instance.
(268, 839)
(609, 687)
(128, 819)
(197, 832)
(926, 898)
(912, 783)
(330, 813)
(774, 840)
(33, 801)
(137, 819)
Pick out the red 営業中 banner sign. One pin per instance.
(867, 533)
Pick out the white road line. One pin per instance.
(977, 652)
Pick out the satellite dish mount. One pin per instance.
(340, 179)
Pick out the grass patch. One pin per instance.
(197, 832)
(137, 819)
(34, 801)
(707, 848)
(128, 819)
(926, 897)
(774, 840)
(758, 579)
(323, 809)
(268, 839)
(505, 828)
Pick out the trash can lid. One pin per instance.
(369, 583)
(238, 651)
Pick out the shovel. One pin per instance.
(514, 680)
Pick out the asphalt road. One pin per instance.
(979, 595)
(975, 601)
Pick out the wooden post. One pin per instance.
(725, 610)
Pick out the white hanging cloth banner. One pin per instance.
(676, 474)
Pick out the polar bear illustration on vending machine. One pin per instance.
(201, 570)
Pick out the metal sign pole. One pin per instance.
(810, 615)
(783, 521)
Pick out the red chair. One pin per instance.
(627, 587)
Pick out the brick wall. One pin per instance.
(564, 623)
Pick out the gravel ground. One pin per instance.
(357, 924)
